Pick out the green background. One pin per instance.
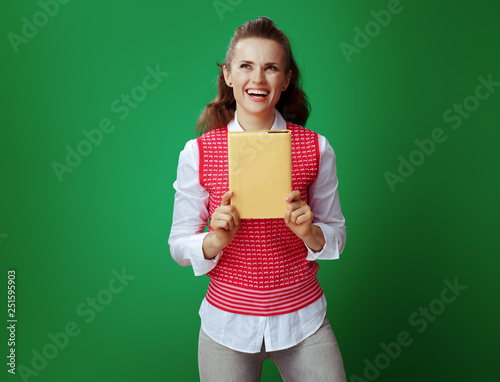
(113, 211)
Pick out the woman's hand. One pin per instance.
(299, 218)
(225, 222)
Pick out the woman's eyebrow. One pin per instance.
(251, 62)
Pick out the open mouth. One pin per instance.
(257, 94)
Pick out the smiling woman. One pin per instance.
(264, 300)
(257, 49)
(257, 76)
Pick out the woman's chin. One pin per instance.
(258, 108)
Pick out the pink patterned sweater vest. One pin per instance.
(263, 271)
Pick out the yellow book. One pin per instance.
(260, 172)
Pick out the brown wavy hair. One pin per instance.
(293, 103)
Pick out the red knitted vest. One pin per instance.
(263, 271)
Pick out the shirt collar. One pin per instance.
(279, 122)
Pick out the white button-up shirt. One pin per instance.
(240, 332)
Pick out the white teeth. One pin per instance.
(257, 92)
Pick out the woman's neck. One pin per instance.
(249, 122)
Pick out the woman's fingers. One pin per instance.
(299, 214)
(226, 216)
(228, 209)
(226, 198)
(293, 196)
(297, 211)
(294, 202)
(223, 221)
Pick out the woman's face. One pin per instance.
(257, 76)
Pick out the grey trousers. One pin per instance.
(317, 358)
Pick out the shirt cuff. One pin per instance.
(200, 265)
(330, 250)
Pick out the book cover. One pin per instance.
(260, 172)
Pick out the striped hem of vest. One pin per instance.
(255, 302)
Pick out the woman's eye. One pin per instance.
(244, 66)
(272, 67)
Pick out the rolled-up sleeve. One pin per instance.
(325, 205)
(190, 214)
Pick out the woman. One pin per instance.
(263, 300)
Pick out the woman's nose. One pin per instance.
(258, 76)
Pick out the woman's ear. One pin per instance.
(287, 81)
(227, 76)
